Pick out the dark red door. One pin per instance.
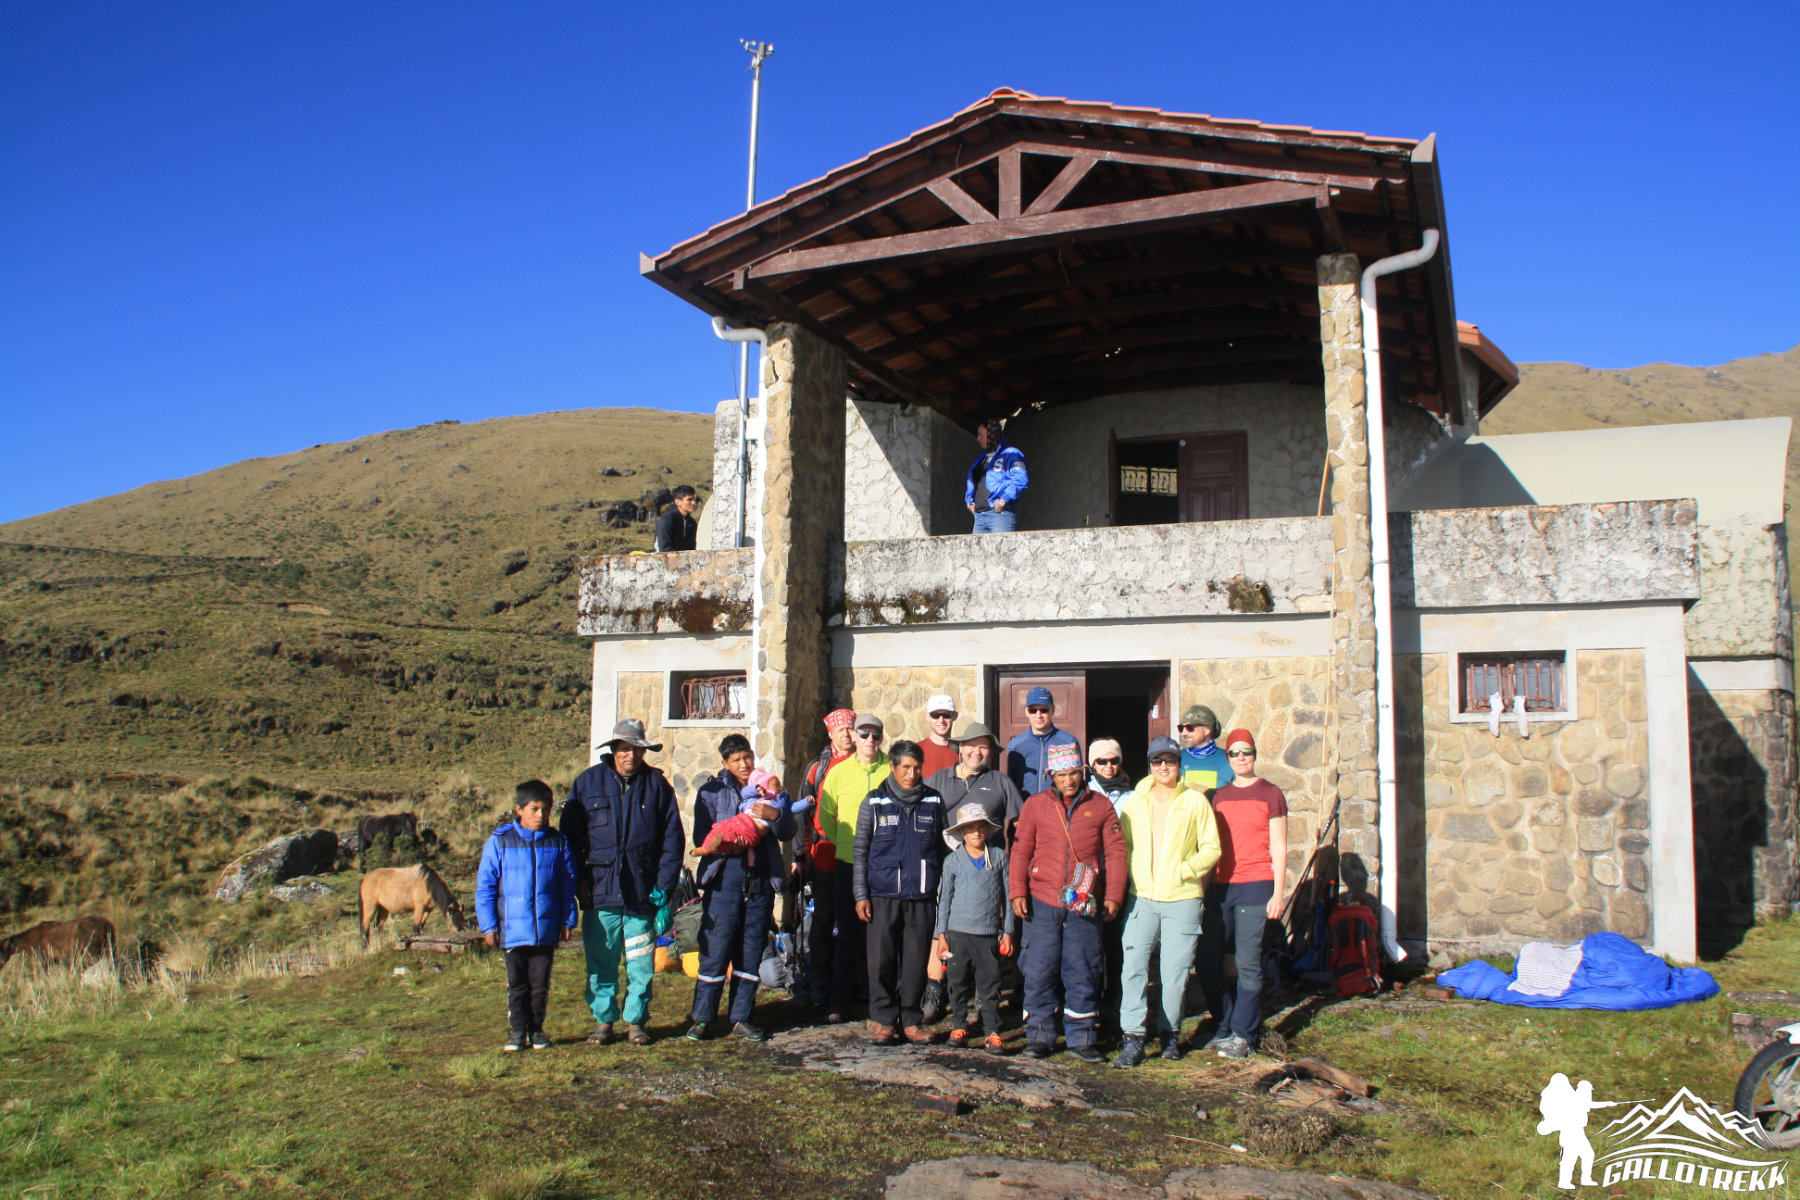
(1067, 688)
(1215, 477)
(1160, 717)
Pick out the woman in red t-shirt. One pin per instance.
(1247, 890)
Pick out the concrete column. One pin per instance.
(1353, 588)
(802, 499)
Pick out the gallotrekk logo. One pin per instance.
(1685, 1140)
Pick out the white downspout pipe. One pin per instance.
(749, 432)
(1386, 755)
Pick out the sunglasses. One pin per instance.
(1037, 708)
(1163, 762)
(869, 735)
(1191, 728)
(1107, 762)
(1240, 754)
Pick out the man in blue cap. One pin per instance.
(1025, 754)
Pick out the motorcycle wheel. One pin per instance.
(1768, 1093)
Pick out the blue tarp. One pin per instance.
(1615, 973)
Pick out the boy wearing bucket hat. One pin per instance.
(974, 922)
(1066, 878)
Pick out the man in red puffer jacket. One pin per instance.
(1066, 879)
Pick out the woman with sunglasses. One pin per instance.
(1247, 891)
(1108, 776)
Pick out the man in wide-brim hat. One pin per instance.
(624, 829)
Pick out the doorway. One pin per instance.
(1192, 477)
(1125, 701)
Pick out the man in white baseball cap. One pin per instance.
(940, 751)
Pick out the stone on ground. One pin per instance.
(971, 1075)
(980, 1177)
(301, 887)
(309, 852)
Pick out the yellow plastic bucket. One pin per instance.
(690, 963)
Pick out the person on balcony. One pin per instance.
(997, 479)
(676, 528)
(1025, 753)
(1204, 765)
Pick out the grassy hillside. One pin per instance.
(386, 613)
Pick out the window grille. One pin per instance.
(1537, 676)
(711, 698)
(1163, 481)
(1134, 479)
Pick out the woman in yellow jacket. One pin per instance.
(1172, 842)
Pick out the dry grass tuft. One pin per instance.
(1277, 1132)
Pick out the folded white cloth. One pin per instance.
(1544, 969)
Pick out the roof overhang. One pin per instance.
(1033, 251)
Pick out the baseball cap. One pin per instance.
(1040, 695)
(870, 721)
(1164, 745)
(940, 703)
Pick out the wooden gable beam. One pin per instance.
(1028, 232)
(1010, 184)
(1211, 162)
(959, 201)
(1066, 181)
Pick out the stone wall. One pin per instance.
(1137, 571)
(701, 591)
(1545, 554)
(1285, 704)
(1414, 439)
(1742, 759)
(898, 695)
(1523, 839)
(1066, 447)
(887, 470)
(721, 505)
(1744, 607)
(689, 753)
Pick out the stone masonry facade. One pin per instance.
(804, 383)
(689, 753)
(1742, 760)
(1353, 599)
(1524, 839)
(898, 695)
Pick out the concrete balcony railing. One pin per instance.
(1450, 558)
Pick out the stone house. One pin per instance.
(1165, 309)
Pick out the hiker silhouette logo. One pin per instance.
(1686, 1140)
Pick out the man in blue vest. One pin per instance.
(1204, 767)
(899, 851)
(624, 830)
(1025, 753)
(997, 478)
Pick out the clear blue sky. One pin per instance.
(233, 229)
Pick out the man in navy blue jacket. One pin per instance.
(525, 902)
(740, 894)
(624, 827)
(1025, 753)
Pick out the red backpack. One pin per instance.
(1354, 958)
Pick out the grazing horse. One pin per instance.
(395, 889)
(393, 826)
(66, 941)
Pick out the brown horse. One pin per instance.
(394, 889)
(61, 941)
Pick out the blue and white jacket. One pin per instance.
(1025, 756)
(899, 846)
(1006, 477)
(525, 886)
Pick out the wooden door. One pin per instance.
(1215, 477)
(1068, 690)
(1162, 721)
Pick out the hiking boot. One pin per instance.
(1171, 1047)
(1089, 1053)
(1131, 1052)
(1235, 1047)
(749, 1032)
(697, 1032)
(515, 1041)
(1039, 1049)
(993, 1044)
(1220, 1036)
(931, 1005)
(918, 1036)
(959, 1038)
(539, 1041)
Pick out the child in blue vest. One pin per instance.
(897, 854)
(525, 901)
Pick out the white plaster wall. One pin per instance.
(1066, 446)
(665, 653)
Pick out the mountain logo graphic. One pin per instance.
(1684, 1140)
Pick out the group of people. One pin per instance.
(939, 870)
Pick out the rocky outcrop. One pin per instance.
(309, 852)
(301, 887)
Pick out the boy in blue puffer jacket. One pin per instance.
(525, 901)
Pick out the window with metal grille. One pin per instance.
(1536, 675)
(707, 697)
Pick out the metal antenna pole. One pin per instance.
(759, 51)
